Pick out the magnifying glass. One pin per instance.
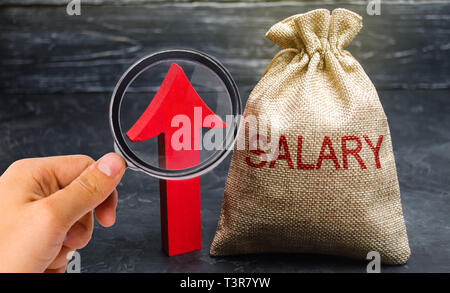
(174, 115)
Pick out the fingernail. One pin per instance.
(110, 164)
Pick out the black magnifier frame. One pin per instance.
(120, 145)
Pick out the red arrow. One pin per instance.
(180, 199)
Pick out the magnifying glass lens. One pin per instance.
(177, 116)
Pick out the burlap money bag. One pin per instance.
(333, 186)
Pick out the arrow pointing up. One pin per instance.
(180, 200)
(176, 96)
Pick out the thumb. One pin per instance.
(88, 190)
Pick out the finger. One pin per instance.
(88, 190)
(61, 259)
(106, 211)
(36, 178)
(63, 169)
(80, 233)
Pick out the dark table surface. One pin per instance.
(58, 72)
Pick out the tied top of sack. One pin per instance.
(317, 31)
(313, 55)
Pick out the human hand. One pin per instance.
(46, 208)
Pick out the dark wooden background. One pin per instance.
(58, 72)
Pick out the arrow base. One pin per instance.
(180, 215)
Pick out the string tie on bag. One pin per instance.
(278, 55)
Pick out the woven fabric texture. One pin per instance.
(336, 190)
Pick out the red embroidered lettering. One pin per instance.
(353, 152)
(283, 146)
(256, 165)
(300, 165)
(331, 156)
(375, 150)
(286, 156)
